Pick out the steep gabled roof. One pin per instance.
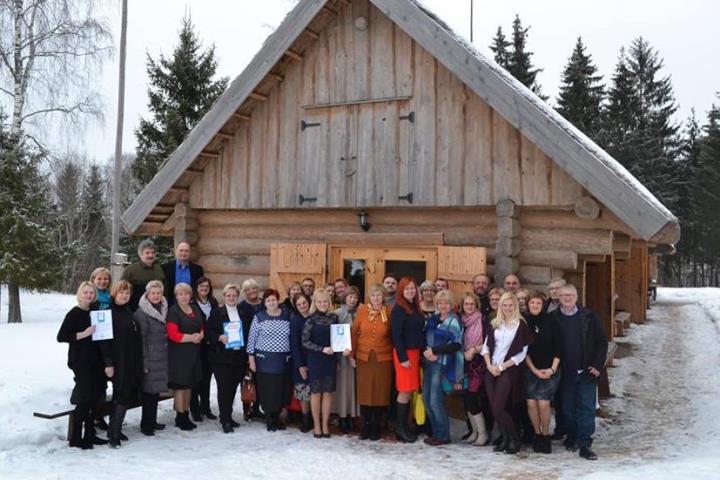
(580, 157)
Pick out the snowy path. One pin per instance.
(661, 423)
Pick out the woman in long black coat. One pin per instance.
(86, 363)
(123, 358)
(185, 331)
(229, 362)
(152, 316)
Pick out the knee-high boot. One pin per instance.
(116, 421)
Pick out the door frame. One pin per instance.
(375, 258)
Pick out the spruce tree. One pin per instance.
(638, 129)
(182, 89)
(94, 205)
(500, 46)
(28, 257)
(520, 63)
(581, 92)
(707, 198)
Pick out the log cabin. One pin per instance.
(366, 137)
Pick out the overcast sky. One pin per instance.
(684, 33)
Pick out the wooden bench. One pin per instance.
(622, 322)
(604, 383)
(104, 409)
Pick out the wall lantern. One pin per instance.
(363, 220)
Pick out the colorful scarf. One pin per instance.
(473, 329)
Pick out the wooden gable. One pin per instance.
(368, 117)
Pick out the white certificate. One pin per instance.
(102, 320)
(340, 337)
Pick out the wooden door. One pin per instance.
(459, 265)
(295, 261)
(600, 291)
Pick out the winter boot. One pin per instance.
(376, 423)
(401, 431)
(116, 421)
(546, 444)
(366, 413)
(472, 435)
(502, 442)
(478, 422)
(307, 423)
(513, 444)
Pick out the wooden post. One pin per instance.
(185, 225)
(508, 245)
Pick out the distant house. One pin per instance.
(374, 112)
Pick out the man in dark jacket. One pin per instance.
(143, 271)
(584, 347)
(180, 270)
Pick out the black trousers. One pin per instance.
(83, 417)
(228, 378)
(200, 394)
(149, 410)
(498, 391)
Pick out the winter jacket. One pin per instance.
(139, 275)
(155, 345)
(124, 354)
(594, 339)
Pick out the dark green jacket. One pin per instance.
(139, 275)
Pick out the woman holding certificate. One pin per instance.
(185, 333)
(226, 332)
(151, 315)
(408, 323)
(123, 356)
(86, 363)
(372, 351)
(268, 348)
(299, 358)
(321, 361)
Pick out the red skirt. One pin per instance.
(407, 379)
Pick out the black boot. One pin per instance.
(307, 423)
(538, 443)
(367, 416)
(270, 423)
(376, 425)
(116, 421)
(182, 421)
(77, 421)
(209, 414)
(196, 415)
(503, 442)
(513, 444)
(344, 424)
(90, 436)
(546, 444)
(401, 432)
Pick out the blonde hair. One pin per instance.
(496, 291)
(376, 288)
(182, 287)
(514, 317)
(320, 293)
(99, 271)
(231, 286)
(249, 283)
(446, 295)
(155, 284)
(80, 288)
(121, 286)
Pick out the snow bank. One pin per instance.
(661, 423)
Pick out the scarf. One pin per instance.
(103, 298)
(440, 333)
(158, 312)
(473, 329)
(374, 314)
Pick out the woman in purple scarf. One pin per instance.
(476, 404)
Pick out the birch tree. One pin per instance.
(50, 54)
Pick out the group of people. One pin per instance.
(510, 354)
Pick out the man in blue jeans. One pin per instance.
(584, 347)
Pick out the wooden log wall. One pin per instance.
(235, 244)
(382, 119)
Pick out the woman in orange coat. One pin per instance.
(372, 352)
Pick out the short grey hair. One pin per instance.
(427, 285)
(560, 281)
(146, 244)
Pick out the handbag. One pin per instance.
(248, 393)
(454, 388)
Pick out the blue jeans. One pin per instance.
(434, 398)
(578, 407)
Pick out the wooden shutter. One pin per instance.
(459, 265)
(295, 261)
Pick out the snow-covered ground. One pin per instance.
(662, 422)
